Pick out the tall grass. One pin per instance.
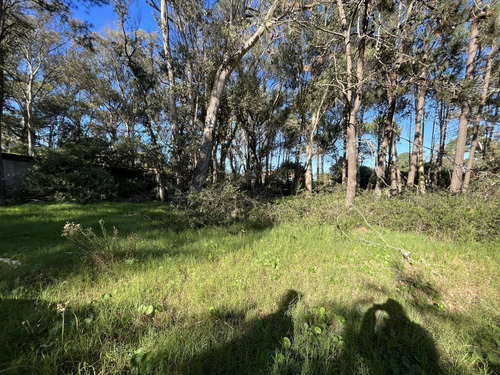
(299, 286)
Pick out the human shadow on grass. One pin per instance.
(388, 342)
(254, 350)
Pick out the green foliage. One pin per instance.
(219, 205)
(65, 176)
(459, 218)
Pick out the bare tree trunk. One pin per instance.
(475, 130)
(214, 165)
(433, 144)
(309, 157)
(419, 120)
(2, 104)
(317, 161)
(385, 143)
(456, 179)
(159, 182)
(230, 61)
(392, 167)
(27, 118)
(352, 159)
(489, 135)
(443, 127)
(398, 171)
(172, 110)
(421, 171)
(392, 92)
(310, 143)
(344, 159)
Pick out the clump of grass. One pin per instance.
(102, 251)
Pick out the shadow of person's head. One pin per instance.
(391, 342)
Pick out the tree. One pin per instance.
(230, 59)
(477, 14)
(352, 90)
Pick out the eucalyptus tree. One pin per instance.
(245, 27)
(138, 50)
(258, 105)
(360, 14)
(477, 14)
(394, 31)
(490, 41)
(39, 55)
(304, 70)
(14, 23)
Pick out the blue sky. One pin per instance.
(104, 17)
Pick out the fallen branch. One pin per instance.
(404, 253)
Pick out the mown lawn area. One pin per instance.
(300, 293)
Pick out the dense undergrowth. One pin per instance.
(226, 284)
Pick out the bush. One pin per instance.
(63, 176)
(461, 218)
(219, 205)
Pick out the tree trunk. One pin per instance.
(456, 179)
(398, 170)
(385, 143)
(2, 104)
(419, 120)
(489, 134)
(475, 130)
(421, 171)
(433, 144)
(310, 143)
(353, 110)
(443, 127)
(392, 167)
(228, 64)
(344, 159)
(172, 110)
(309, 157)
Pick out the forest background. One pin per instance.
(264, 95)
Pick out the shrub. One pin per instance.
(219, 205)
(63, 176)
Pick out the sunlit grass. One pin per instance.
(210, 299)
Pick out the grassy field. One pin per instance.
(305, 291)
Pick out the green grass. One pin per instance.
(298, 295)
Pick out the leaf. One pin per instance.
(286, 343)
(394, 367)
(322, 311)
(126, 318)
(150, 309)
(406, 362)
(106, 296)
(341, 319)
(493, 359)
(317, 330)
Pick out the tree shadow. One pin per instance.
(252, 351)
(388, 342)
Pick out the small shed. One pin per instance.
(15, 167)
